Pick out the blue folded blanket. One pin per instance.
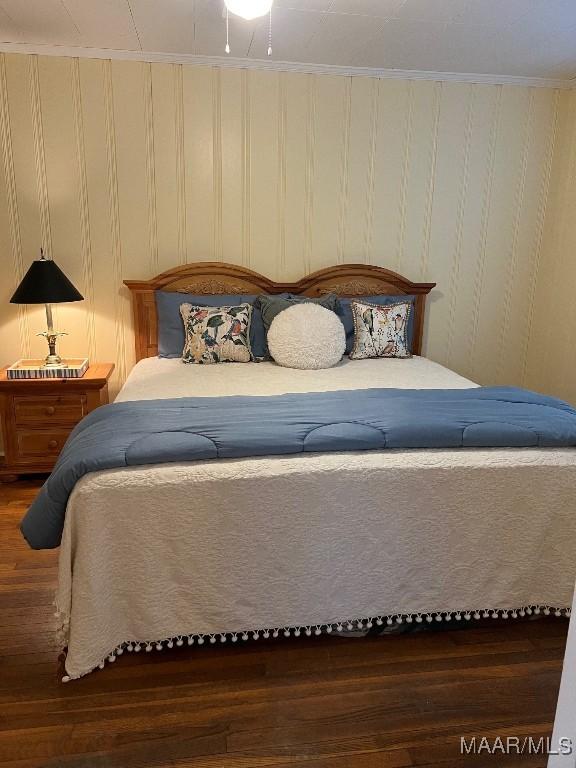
(199, 428)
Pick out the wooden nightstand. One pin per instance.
(37, 415)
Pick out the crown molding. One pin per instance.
(283, 66)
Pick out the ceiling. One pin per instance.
(527, 38)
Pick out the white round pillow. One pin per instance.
(307, 336)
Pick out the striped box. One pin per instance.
(71, 368)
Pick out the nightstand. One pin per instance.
(37, 415)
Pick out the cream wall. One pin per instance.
(551, 363)
(125, 169)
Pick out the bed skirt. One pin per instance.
(347, 625)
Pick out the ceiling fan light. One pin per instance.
(249, 9)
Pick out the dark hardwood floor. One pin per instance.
(319, 702)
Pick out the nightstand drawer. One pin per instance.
(43, 411)
(45, 443)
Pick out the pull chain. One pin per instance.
(227, 32)
(270, 33)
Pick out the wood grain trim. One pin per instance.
(210, 277)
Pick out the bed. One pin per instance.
(227, 550)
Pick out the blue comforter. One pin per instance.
(199, 428)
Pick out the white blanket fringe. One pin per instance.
(317, 629)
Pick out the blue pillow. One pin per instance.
(344, 312)
(270, 306)
(171, 327)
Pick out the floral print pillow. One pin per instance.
(380, 331)
(216, 334)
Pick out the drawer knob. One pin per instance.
(52, 444)
(50, 410)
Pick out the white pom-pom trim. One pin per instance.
(319, 629)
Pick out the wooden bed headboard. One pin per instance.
(213, 277)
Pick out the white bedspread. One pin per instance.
(155, 378)
(206, 548)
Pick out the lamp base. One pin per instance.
(54, 361)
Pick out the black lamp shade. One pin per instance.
(45, 283)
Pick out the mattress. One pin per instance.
(220, 549)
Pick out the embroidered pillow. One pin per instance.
(380, 331)
(216, 334)
(344, 312)
(171, 333)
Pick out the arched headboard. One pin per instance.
(213, 277)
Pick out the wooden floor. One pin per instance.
(319, 702)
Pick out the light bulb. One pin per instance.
(249, 9)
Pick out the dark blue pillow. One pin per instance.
(344, 312)
(270, 306)
(171, 327)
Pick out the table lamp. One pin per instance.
(45, 283)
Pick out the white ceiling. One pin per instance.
(529, 38)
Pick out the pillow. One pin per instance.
(171, 334)
(306, 335)
(270, 306)
(344, 311)
(380, 331)
(216, 334)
